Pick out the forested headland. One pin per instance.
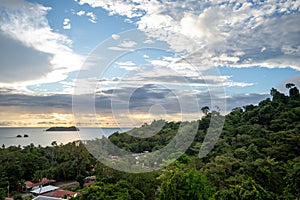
(256, 157)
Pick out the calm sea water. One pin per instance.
(38, 136)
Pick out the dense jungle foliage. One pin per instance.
(256, 157)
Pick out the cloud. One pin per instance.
(17, 63)
(129, 104)
(225, 33)
(128, 44)
(124, 45)
(92, 17)
(12, 4)
(240, 100)
(125, 8)
(115, 36)
(38, 101)
(28, 33)
(67, 24)
(80, 13)
(128, 65)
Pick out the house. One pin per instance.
(47, 198)
(59, 193)
(42, 190)
(30, 185)
(46, 181)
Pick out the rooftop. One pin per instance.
(44, 189)
(59, 193)
(44, 181)
(47, 198)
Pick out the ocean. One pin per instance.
(38, 136)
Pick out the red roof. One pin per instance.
(59, 193)
(7, 198)
(89, 183)
(46, 181)
(43, 182)
(28, 183)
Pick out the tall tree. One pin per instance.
(205, 110)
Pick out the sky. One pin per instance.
(122, 63)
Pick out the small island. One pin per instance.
(71, 128)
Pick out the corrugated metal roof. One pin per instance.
(45, 189)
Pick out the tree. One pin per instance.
(277, 96)
(294, 92)
(248, 189)
(293, 181)
(181, 185)
(80, 180)
(205, 110)
(289, 85)
(122, 190)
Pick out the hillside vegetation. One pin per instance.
(256, 157)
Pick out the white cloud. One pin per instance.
(225, 32)
(129, 21)
(126, 8)
(128, 44)
(28, 26)
(148, 41)
(128, 65)
(92, 17)
(115, 36)
(170, 71)
(67, 23)
(80, 13)
(124, 45)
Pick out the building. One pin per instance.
(47, 198)
(42, 190)
(30, 185)
(60, 193)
